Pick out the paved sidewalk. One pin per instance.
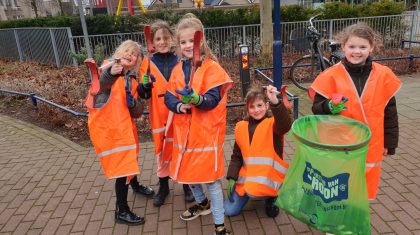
(49, 185)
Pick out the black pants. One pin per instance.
(121, 190)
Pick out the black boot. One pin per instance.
(126, 216)
(162, 193)
(139, 188)
(270, 209)
(188, 196)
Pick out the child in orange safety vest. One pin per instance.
(257, 168)
(113, 131)
(365, 91)
(198, 100)
(161, 65)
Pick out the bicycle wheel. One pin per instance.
(305, 70)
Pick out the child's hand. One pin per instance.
(184, 108)
(271, 93)
(116, 69)
(231, 184)
(385, 152)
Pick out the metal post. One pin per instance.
(413, 23)
(85, 33)
(277, 51)
(244, 75)
(243, 34)
(71, 43)
(18, 45)
(54, 45)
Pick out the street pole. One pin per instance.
(277, 51)
(84, 28)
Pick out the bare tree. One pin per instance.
(266, 28)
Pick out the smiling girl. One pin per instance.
(370, 89)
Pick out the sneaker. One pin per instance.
(221, 230)
(128, 217)
(195, 211)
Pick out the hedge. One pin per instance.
(104, 24)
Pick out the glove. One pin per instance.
(145, 80)
(231, 184)
(131, 101)
(188, 97)
(336, 104)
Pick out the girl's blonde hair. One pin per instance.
(131, 46)
(361, 30)
(166, 29)
(189, 20)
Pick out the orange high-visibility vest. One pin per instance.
(380, 87)
(197, 156)
(159, 113)
(114, 134)
(263, 170)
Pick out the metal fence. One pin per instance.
(52, 45)
(43, 45)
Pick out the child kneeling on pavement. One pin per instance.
(257, 169)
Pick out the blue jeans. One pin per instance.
(234, 204)
(216, 197)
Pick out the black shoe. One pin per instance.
(188, 196)
(160, 197)
(145, 190)
(128, 217)
(221, 230)
(270, 209)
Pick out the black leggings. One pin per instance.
(121, 190)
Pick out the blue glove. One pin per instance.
(188, 97)
(131, 101)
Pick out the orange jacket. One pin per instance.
(159, 113)
(380, 87)
(114, 134)
(197, 156)
(263, 170)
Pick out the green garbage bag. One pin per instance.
(325, 184)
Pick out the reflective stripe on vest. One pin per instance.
(158, 130)
(371, 165)
(204, 149)
(261, 180)
(265, 161)
(116, 150)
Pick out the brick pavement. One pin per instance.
(49, 185)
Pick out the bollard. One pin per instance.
(244, 74)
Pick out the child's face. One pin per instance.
(129, 58)
(257, 109)
(162, 41)
(186, 42)
(357, 50)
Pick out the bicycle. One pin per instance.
(305, 69)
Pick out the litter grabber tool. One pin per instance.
(150, 50)
(94, 86)
(336, 104)
(196, 62)
(283, 96)
(111, 62)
